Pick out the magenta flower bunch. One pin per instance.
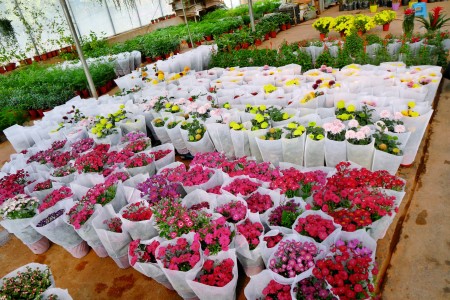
(252, 231)
(139, 160)
(174, 174)
(293, 257)
(114, 224)
(212, 160)
(13, 184)
(241, 166)
(285, 214)
(216, 236)
(138, 145)
(100, 194)
(45, 185)
(233, 211)
(142, 253)
(277, 291)
(117, 157)
(241, 186)
(80, 213)
(272, 241)
(160, 154)
(56, 145)
(215, 190)
(63, 171)
(313, 288)
(216, 273)
(82, 146)
(181, 256)
(174, 219)
(315, 227)
(115, 177)
(133, 136)
(197, 175)
(200, 206)
(60, 159)
(156, 188)
(92, 161)
(54, 197)
(259, 203)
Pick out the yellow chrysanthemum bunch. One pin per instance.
(363, 23)
(269, 88)
(292, 82)
(384, 17)
(308, 97)
(324, 24)
(236, 126)
(344, 24)
(409, 112)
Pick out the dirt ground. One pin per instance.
(414, 257)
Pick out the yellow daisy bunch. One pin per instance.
(269, 88)
(324, 24)
(308, 97)
(344, 24)
(384, 17)
(292, 82)
(363, 23)
(409, 112)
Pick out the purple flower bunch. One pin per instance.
(293, 258)
(82, 146)
(156, 188)
(50, 218)
(132, 137)
(312, 288)
(355, 246)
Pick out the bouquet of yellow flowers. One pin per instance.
(410, 112)
(324, 24)
(363, 23)
(384, 17)
(269, 88)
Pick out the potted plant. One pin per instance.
(408, 22)
(435, 21)
(197, 38)
(324, 25)
(395, 5)
(363, 23)
(373, 6)
(384, 18)
(343, 24)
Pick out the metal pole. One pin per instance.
(139, 17)
(160, 7)
(109, 16)
(187, 25)
(25, 23)
(79, 50)
(73, 17)
(250, 11)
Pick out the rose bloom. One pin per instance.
(399, 128)
(385, 114)
(360, 135)
(398, 115)
(366, 130)
(353, 123)
(350, 134)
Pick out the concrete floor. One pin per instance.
(413, 258)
